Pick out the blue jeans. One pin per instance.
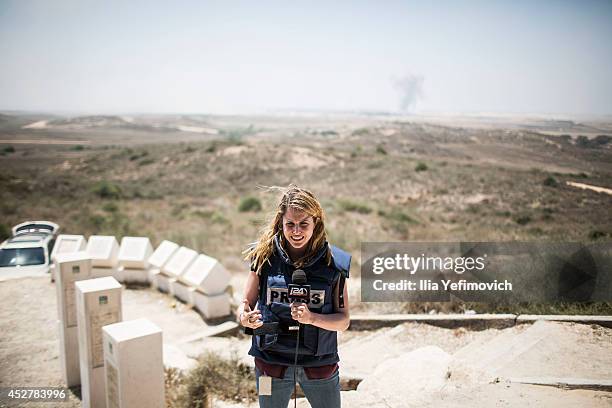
(323, 393)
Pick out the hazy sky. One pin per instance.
(243, 56)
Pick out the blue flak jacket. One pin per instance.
(317, 346)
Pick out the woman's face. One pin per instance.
(298, 227)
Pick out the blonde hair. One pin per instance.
(298, 199)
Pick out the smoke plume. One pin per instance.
(410, 89)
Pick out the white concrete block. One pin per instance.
(180, 262)
(182, 292)
(129, 275)
(70, 268)
(134, 368)
(65, 244)
(164, 283)
(97, 272)
(207, 274)
(103, 250)
(69, 354)
(68, 243)
(162, 254)
(152, 273)
(98, 304)
(118, 274)
(134, 252)
(212, 306)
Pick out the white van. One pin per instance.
(28, 252)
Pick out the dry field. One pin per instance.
(184, 178)
(194, 180)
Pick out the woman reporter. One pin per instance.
(296, 239)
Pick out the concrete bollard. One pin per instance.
(134, 368)
(98, 304)
(71, 267)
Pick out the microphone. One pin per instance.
(299, 291)
(299, 277)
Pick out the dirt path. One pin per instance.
(45, 142)
(590, 187)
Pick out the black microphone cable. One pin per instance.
(297, 343)
(298, 277)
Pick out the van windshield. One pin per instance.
(22, 256)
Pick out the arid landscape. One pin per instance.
(195, 179)
(200, 181)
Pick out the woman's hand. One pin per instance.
(301, 313)
(250, 318)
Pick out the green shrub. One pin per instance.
(361, 132)
(212, 215)
(597, 234)
(473, 208)
(381, 150)
(146, 161)
(397, 216)
(178, 209)
(357, 150)
(206, 214)
(110, 207)
(401, 216)
(107, 189)
(97, 221)
(420, 167)
(235, 136)
(523, 219)
(9, 149)
(227, 379)
(5, 232)
(550, 181)
(598, 141)
(353, 206)
(582, 141)
(114, 223)
(173, 381)
(249, 204)
(218, 218)
(137, 156)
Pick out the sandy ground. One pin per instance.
(29, 350)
